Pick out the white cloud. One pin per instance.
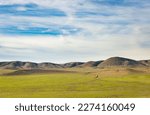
(74, 48)
(120, 34)
(21, 9)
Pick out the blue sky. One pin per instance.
(74, 30)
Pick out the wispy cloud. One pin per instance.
(30, 10)
(74, 29)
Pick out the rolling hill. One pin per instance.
(91, 64)
(110, 62)
(119, 61)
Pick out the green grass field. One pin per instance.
(71, 85)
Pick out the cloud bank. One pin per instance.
(74, 30)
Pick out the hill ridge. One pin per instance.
(110, 62)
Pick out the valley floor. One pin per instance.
(75, 85)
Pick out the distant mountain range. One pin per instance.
(111, 62)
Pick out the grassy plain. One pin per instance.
(82, 84)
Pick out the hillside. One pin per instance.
(110, 62)
(145, 62)
(119, 61)
(72, 64)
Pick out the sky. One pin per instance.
(74, 30)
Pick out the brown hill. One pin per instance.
(91, 64)
(49, 65)
(12, 65)
(145, 62)
(119, 61)
(113, 61)
(72, 64)
(29, 65)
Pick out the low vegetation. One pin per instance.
(79, 82)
